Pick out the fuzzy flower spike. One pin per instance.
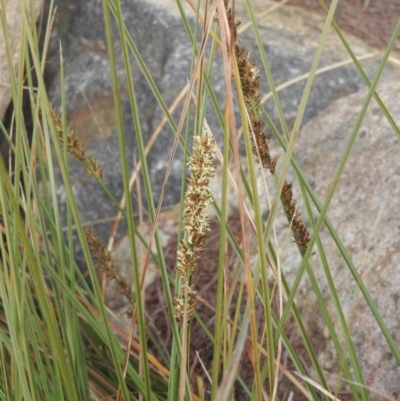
(195, 218)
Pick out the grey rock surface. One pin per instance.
(79, 27)
(14, 20)
(365, 213)
(289, 37)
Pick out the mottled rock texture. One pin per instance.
(364, 211)
(289, 37)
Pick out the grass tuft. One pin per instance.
(233, 330)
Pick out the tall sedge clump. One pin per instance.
(195, 220)
(250, 85)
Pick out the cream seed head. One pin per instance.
(188, 297)
(198, 193)
(195, 219)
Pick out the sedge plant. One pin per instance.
(57, 340)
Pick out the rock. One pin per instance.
(14, 20)
(90, 107)
(164, 46)
(290, 36)
(372, 21)
(364, 211)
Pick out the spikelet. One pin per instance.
(75, 147)
(106, 265)
(195, 219)
(250, 85)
